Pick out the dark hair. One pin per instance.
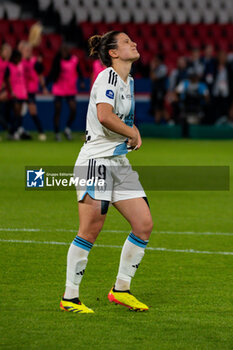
(101, 44)
(16, 56)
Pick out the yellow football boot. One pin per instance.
(75, 305)
(125, 298)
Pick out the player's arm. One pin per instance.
(39, 68)
(139, 138)
(7, 81)
(112, 122)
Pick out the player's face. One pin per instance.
(6, 52)
(26, 51)
(126, 48)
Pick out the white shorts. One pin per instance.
(118, 180)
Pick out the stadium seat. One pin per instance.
(140, 44)
(87, 30)
(152, 45)
(173, 5)
(181, 46)
(54, 41)
(2, 11)
(81, 14)
(224, 16)
(44, 4)
(96, 14)
(101, 28)
(160, 31)
(224, 45)
(139, 15)
(173, 31)
(103, 4)
(10, 39)
(58, 4)
(28, 23)
(12, 10)
(4, 27)
(117, 26)
(110, 14)
(166, 46)
(146, 57)
(180, 16)
(166, 16)
(132, 4)
(18, 27)
(152, 15)
(208, 16)
(132, 30)
(66, 14)
(194, 16)
(124, 16)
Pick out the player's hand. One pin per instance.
(139, 139)
(82, 85)
(133, 141)
(45, 91)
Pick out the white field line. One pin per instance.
(117, 231)
(193, 251)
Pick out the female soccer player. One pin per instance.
(5, 54)
(97, 67)
(64, 74)
(110, 133)
(33, 68)
(17, 88)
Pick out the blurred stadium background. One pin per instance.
(168, 29)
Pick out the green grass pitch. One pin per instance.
(190, 293)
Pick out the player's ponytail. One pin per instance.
(94, 45)
(101, 44)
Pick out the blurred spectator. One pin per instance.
(18, 93)
(97, 67)
(158, 75)
(5, 54)
(195, 62)
(193, 98)
(177, 75)
(209, 63)
(64, 74)
(33, 69)
(221, 89)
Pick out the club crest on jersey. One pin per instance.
(110, 94)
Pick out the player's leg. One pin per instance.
(20, 132)
(32, 108)
(56, 117)
(92, 214)
(137, 213)
(72, 107)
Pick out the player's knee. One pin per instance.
(148, 226)
(143, 228)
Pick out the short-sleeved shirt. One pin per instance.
(108, 88)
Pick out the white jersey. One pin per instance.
(108, 88)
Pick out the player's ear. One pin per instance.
(113, 53)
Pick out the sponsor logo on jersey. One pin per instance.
(110, 94)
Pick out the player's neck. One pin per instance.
(122, 69)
